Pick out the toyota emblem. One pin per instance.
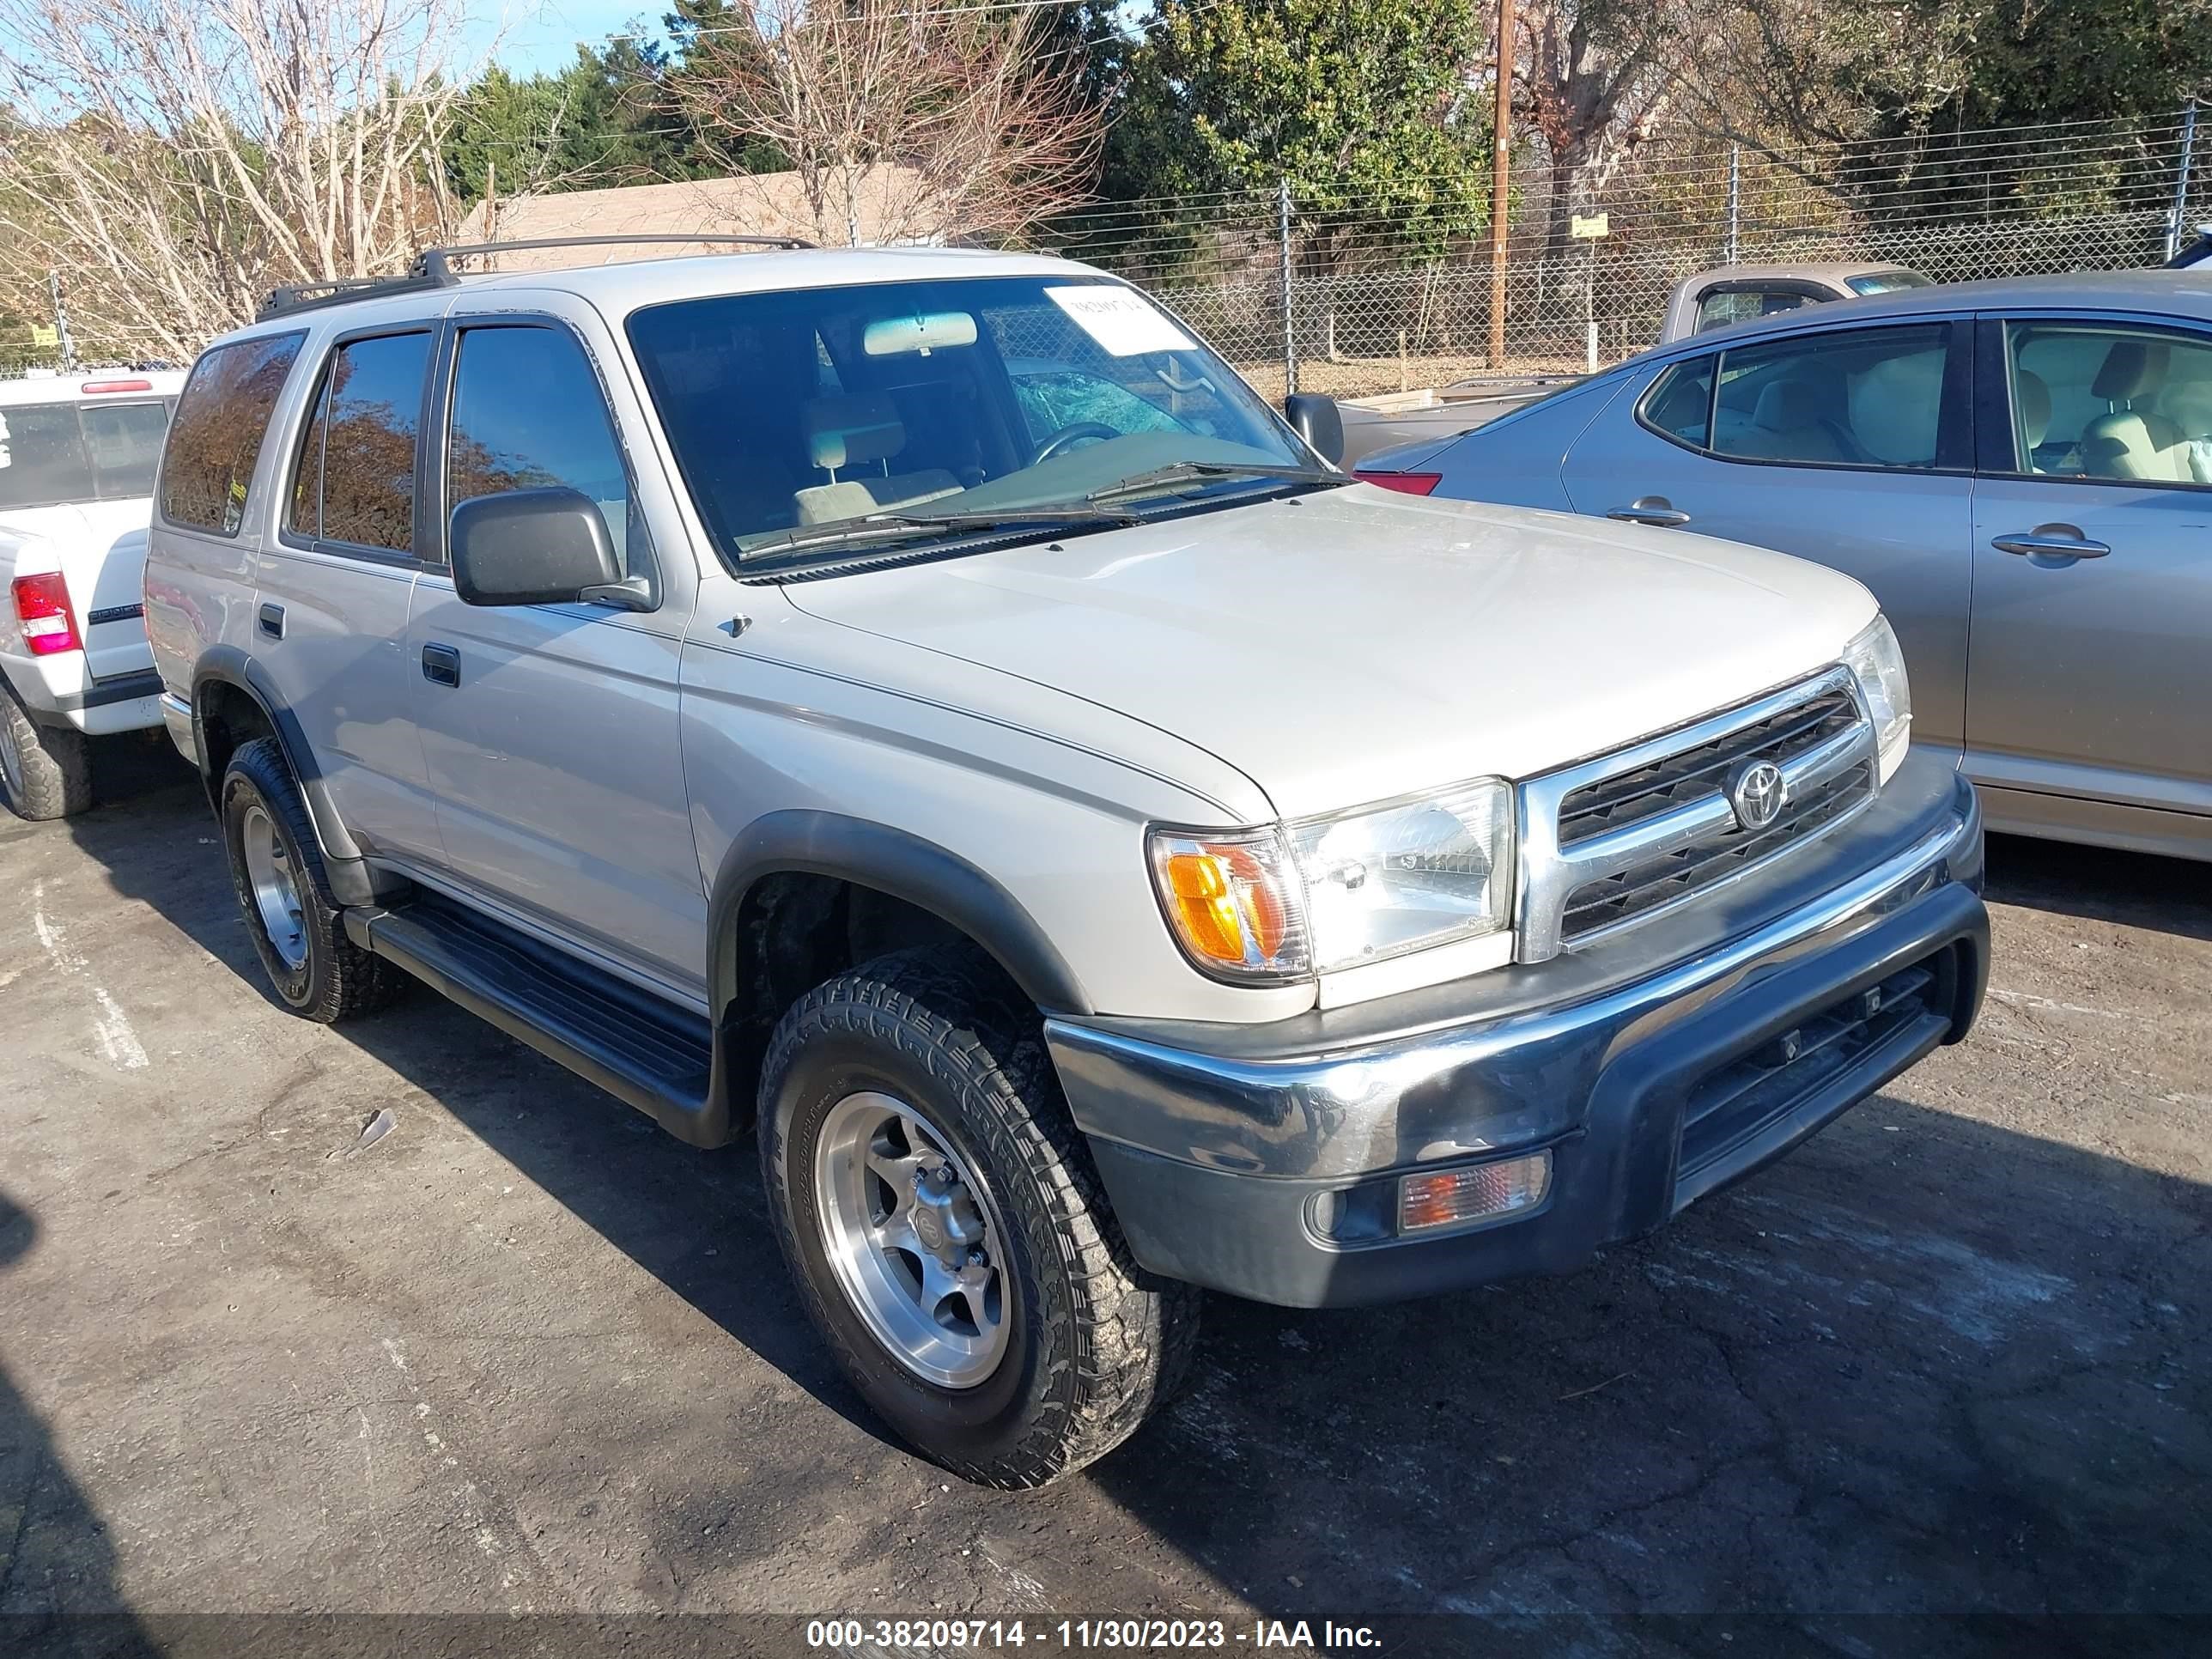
(1756, 793)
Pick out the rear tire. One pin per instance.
(45, 771)
(277, 866)
(1059, 1345)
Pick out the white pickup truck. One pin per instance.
(77, 455)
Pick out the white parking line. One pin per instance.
(118, 1042)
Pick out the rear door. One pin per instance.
(330, 620)
(2093, 574)
(550, 731)
(1848, 446)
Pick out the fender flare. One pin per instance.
(897, 863)
(351, 880)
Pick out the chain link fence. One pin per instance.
(1356, 299)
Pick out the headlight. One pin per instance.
(1336, 893)
(1880, 666)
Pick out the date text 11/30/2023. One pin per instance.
(986, 1635)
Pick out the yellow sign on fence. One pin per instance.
(1590, 229)
(45, 336)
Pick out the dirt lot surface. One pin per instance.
(525, 1355)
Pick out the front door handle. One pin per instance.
(271, 619)
(2061, 541)
(1650, 509)
(441, 664)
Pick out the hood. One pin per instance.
(1351, 645)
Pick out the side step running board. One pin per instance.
(637, 1047)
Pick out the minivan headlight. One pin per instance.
(1324, 894)
(1875, 657)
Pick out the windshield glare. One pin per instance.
(821, 406)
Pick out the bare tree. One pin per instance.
(177, 160)
(919, 119)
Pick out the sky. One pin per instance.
(528, 36)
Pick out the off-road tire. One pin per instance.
(53, 762)
(1097, 1343)
(338, 979)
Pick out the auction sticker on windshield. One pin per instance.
(1121, 320)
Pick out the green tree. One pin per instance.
(1372, 113)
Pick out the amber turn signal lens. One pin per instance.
(1228, 909)
(1487, 1192)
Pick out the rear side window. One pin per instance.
(353, 480)
(1681, 401)
(1864, 397)
(215, 439)
(50, 453)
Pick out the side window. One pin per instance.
(1679, 402)
(2117, 403)
(207, 466)
(1724, 306)
(124, 443)
(1861, 397)
(528, 413)
(370, 409)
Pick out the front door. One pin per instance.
(1847, 446)
(550, 731)
(2093, 571)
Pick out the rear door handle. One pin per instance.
(2062, 541)
(1650, 509)
(441, 664)
(271, 620)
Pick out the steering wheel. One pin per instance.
(1072, 434)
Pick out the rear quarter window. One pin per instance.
(206, 468)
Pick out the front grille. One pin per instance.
(1730, 1106)
(1694, 778)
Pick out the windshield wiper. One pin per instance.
(899, 526)
(1162, 478)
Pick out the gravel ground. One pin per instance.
(524, 1356)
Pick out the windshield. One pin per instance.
(966, 399)
(53, 453)
(1886, 282)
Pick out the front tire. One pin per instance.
(277, 866)
(45, 771)
(937, 1206)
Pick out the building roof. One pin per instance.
(882, 206)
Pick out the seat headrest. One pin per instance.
(1791, 406)
(2133, 368)
(2031, 396)
(848, 431)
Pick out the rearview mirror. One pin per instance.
(531, 547)
(1315, 416)
(897, 336)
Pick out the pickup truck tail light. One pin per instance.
(42, 605)
(1410, 483)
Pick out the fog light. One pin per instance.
(1483, 1193)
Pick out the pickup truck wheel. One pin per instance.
(937, 1206)
(45, 771)
(277, 866)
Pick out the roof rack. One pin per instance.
(434, 266)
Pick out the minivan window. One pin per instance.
(528, 414)
(973, 395)
(52, 453)
(207, 465)
(354, 478)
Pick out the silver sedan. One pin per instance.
(2020, 470)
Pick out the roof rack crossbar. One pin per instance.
(437, 262)
(434, 266)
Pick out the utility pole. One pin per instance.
(1501, 145)
(66, 345)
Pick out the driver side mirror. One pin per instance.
(531, 547)
(1315, 416)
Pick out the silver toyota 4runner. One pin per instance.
(922, 704)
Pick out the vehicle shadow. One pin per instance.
(1934, 1363)
(58, 1583)
(2139, 889)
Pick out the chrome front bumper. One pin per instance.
(1226, 1150)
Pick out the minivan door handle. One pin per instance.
(2059, 541)
(441, 664)
(271, 620)
(1650, 509)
